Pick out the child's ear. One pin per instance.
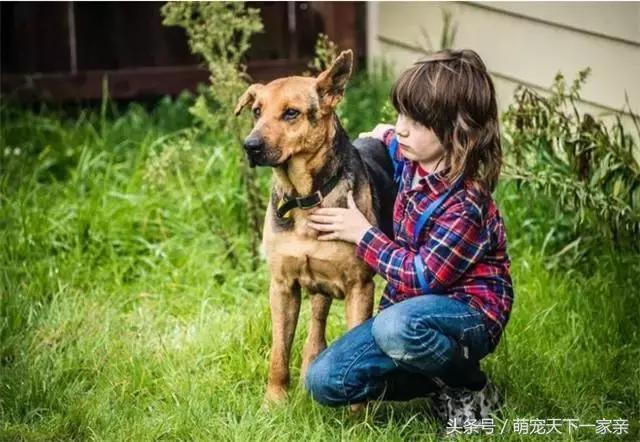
(247, 98)
(331, 83)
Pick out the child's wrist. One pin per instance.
(362, 234)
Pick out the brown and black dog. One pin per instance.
(298, 134)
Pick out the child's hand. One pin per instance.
(377, 132)
(344, 224)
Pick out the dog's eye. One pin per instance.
(256, 112)
(290, 114)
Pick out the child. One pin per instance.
(449, 293)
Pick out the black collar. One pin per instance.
(308, 202)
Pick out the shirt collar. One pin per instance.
(433, 183)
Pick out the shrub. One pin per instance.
(220, 32)
(591, 171)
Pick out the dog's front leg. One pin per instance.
(359, 308)
(359, 302)
(285, 307)
(316, 340)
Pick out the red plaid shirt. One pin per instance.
(463, 249)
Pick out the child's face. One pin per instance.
(417, 142)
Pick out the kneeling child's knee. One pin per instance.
(319, 383)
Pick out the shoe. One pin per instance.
(456, 406)
(439, 407)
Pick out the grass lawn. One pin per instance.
(124, 316)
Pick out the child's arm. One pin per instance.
(457, 242)
(387, 136)
(385, 133)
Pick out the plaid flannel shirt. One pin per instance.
(463, 249)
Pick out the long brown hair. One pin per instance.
(451, 93)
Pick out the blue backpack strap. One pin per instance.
(424, 216)
(422, 280)
(418, 262)
(398, 165)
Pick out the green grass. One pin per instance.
(123, 317)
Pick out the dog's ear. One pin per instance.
(332, 82)
(247, 97)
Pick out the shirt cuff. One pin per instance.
(371, 243)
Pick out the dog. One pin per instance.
(297, 132)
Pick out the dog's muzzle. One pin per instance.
(254, 147)
(259, 154)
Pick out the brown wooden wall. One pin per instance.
(62, 51)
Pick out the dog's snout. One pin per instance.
(254, 144)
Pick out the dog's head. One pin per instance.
(292, 115)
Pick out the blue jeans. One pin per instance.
(408, 350)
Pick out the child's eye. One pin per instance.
(290, 114)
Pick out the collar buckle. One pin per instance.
(317, 196)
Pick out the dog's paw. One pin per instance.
(274, 397)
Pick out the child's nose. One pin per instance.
(402, 129)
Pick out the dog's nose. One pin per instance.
(253, 145)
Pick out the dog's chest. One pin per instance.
(330, 268)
